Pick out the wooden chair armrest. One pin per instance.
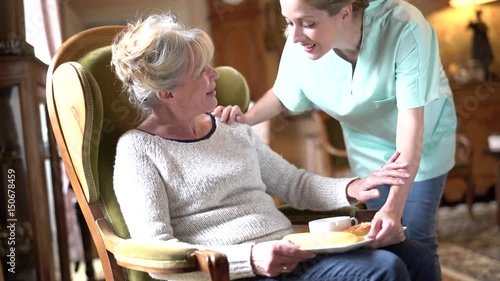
(305, 216)
(364, 215)
(213, 263)
(161, 257)
(108, 235)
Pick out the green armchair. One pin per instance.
(88, 114)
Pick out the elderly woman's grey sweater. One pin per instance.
(213, 193)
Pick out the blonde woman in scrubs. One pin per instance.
(375, 67)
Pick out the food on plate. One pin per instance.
(359, 229)
(322, 239)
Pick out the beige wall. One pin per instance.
(454, 36)
(77, 16)
(71, 21)
(450, 23)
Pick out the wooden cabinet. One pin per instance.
(248, 37)
(478, 113)
(27, 239)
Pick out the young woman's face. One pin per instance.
(196, 92)
(313, 29)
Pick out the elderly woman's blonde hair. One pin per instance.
(153, 54)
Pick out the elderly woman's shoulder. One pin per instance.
(135, 138)
(234, 127)
(242, 133)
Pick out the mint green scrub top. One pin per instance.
(398, 68)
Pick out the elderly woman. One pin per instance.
(184, 177)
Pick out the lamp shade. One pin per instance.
(458, 3)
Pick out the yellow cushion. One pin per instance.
(154, 254)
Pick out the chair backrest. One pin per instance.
(77, 115)
(88, 114)
(332, 139)
(463, 154)
(232, 81)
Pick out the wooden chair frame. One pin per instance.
(321, 118)
(103, 235)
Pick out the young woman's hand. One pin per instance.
(386, 229)
(230, 113)
(273, 258)
(392, 173)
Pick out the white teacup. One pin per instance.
(332, 224)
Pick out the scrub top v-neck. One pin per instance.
(398, 68)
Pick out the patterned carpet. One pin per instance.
(469, 249)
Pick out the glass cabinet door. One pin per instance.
(17, 249)
(28, 245)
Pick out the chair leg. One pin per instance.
(87, 245)
(469, 196)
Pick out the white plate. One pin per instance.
(341, 249)
(338, 249)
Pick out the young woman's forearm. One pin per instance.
(267, 107)
(409, 141)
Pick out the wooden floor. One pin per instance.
(79, 275)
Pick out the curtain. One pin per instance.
(43, 27)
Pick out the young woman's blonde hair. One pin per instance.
(333, 7)
(153, 54)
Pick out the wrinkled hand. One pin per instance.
(391, 173)
(230, 113)
(268, 258)
(386, 229)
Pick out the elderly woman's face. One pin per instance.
(313, 29)
(196, 92)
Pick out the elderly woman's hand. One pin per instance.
(230, 113)
(273, 258)
(392, 173)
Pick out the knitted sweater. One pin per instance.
(212, 193)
